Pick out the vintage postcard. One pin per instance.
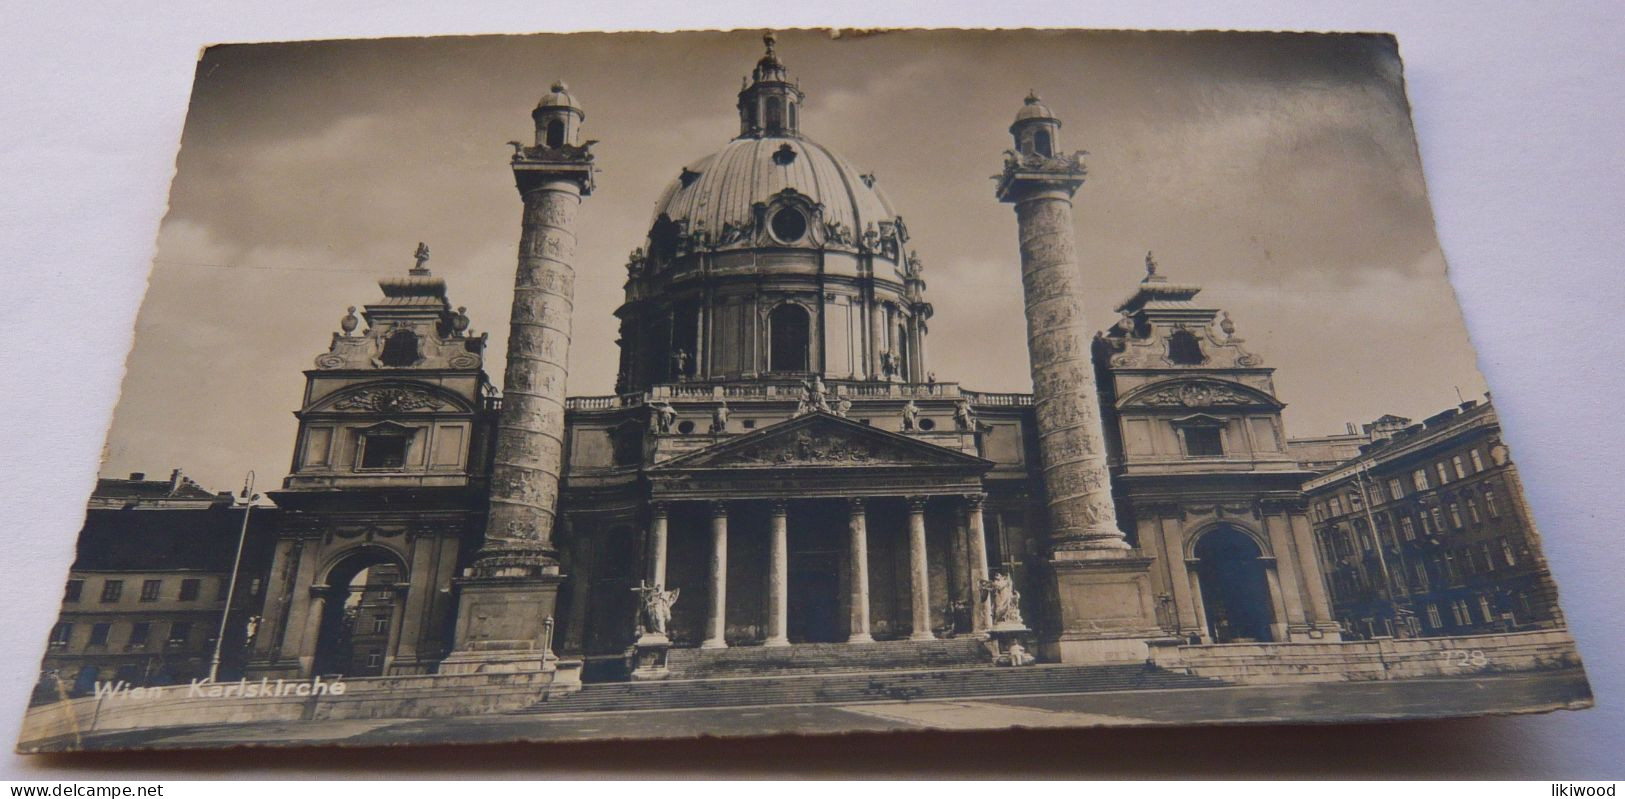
(513, 387)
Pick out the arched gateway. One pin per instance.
(1235, 586)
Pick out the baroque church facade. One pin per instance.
(780, 470)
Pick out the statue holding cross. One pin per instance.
(656, 608)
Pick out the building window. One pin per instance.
(1395, 488)
(98, 633)
(221, 589)
(1433, 617)
(75, 589)
(1455, 515)
(555, 133)
(189, 589)
(1460, 612)
(1489, 555)
(112, 590)
(787, 335)
(140, 633)
(1489, 504)
(1376, 493)
(1508, 553)
(1419, 478)
(179, 632)
(380, 624)
(789, 225)
(1203, 442)
(1421, 577)
(1041, 143)
(384, 448)
(1320, 511)
(1354, 501)
(1472, 511)
(1444, 476)
(400, 349)
(1478, 460)
(1456, 464)
(1184, 349)
(374, 660)
(1438, 518)
(1451, 569)
(150, 590)
(1337, 506)
(1484, 608)
(61, 633)
(1408, 527)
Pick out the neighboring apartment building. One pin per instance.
(145, 593)
(1454, 549)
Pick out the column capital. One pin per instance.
(975, 501)
(778, 506)
(719, 508)
(854, 504)
(916, 504)
(659, 507)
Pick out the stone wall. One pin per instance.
(424, 696)
(1381, 659)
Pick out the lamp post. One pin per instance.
(1360, 475)
(249, 498)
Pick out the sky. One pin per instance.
(1279, 171)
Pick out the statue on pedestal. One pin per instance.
(964, 417)
(655, 609)
(1003, 600)
(719, 418)
(911, 416)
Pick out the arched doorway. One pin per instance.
(1235, 589)
(788, 339)
(360, 614)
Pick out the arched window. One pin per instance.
(555, 133)
(400, 349)
(1041, 143)
(1184, 349)
(787, 335)
(775, 113)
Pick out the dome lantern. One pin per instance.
(558, 118)
(769, 105)
(1036, 130)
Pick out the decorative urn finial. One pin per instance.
(1150, 266)
(1226, 325)
(349, 323)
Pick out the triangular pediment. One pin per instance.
(828, 441)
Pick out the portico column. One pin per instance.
(716, 622)
(778, 576)
(657, 544)
(981, 615)
(857, 525)
(919, 577)
(310, 638)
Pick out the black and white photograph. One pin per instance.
(566, 387)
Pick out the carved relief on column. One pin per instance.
(1070, 438)
(530, 432)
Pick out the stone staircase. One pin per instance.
(749, 661)
(881, 686)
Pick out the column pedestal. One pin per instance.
(502, 624)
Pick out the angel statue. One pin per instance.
(1003, 599)
(656, 608)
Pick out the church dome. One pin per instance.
(719, 192)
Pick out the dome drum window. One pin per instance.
(788, 225)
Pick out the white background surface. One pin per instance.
(1519, 113)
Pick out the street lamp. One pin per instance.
(249, 498)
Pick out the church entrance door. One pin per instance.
(815, 598)
(1235, 589)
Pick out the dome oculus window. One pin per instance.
(789, 225)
